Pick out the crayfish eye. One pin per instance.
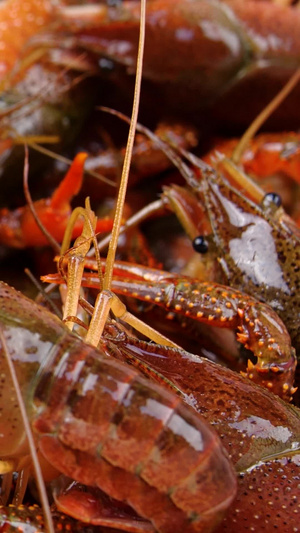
(200, 245)
(271, 199)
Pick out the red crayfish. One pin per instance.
(171, 450)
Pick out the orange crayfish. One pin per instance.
(240, 233)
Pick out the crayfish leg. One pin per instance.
(76, 256)
(257, 326)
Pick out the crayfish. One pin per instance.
(212, 393)
(153, 437)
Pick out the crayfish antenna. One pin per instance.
(106, 300)
(263, 116)
(30, 203)
(103, 303)
(31, 443)
(165, 147)
(141, 215)
(230, 165)
(128, 154)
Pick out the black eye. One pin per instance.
(200, 245)
(271, 198)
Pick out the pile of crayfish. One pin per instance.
(152, 386)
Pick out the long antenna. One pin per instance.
(263, 116)
(104, 299)
(128, 154)
(36, 465)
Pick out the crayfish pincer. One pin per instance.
(100, 422)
